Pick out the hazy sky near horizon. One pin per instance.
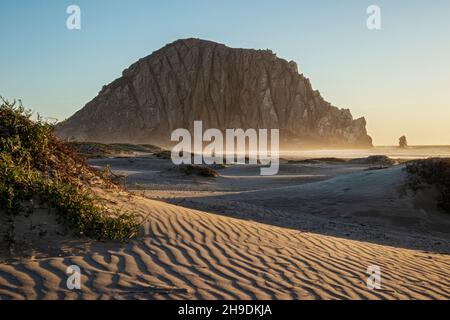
(397, 77)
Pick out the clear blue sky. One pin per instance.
(398, 77)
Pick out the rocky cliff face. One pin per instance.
(194, 79)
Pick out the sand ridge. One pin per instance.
(190, 254)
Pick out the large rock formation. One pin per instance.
(195, 79)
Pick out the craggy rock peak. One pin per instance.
(195, 79)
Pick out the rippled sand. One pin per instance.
(184, 253)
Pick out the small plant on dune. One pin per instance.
(34, 164)
(189, 169)
(434, 171)
(318, 160)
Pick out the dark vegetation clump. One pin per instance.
(92, 150)
(319, 160)
(95, 150)
(435, 172)
(218, 166)
(380, 160)
(164, 154)
(203, 171)
(34, 164)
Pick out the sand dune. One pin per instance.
(185, 253)
(371, 206)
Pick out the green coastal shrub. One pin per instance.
(34, 164)
(433, 171)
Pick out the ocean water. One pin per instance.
(412, 152)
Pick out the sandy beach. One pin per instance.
(309, 233)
